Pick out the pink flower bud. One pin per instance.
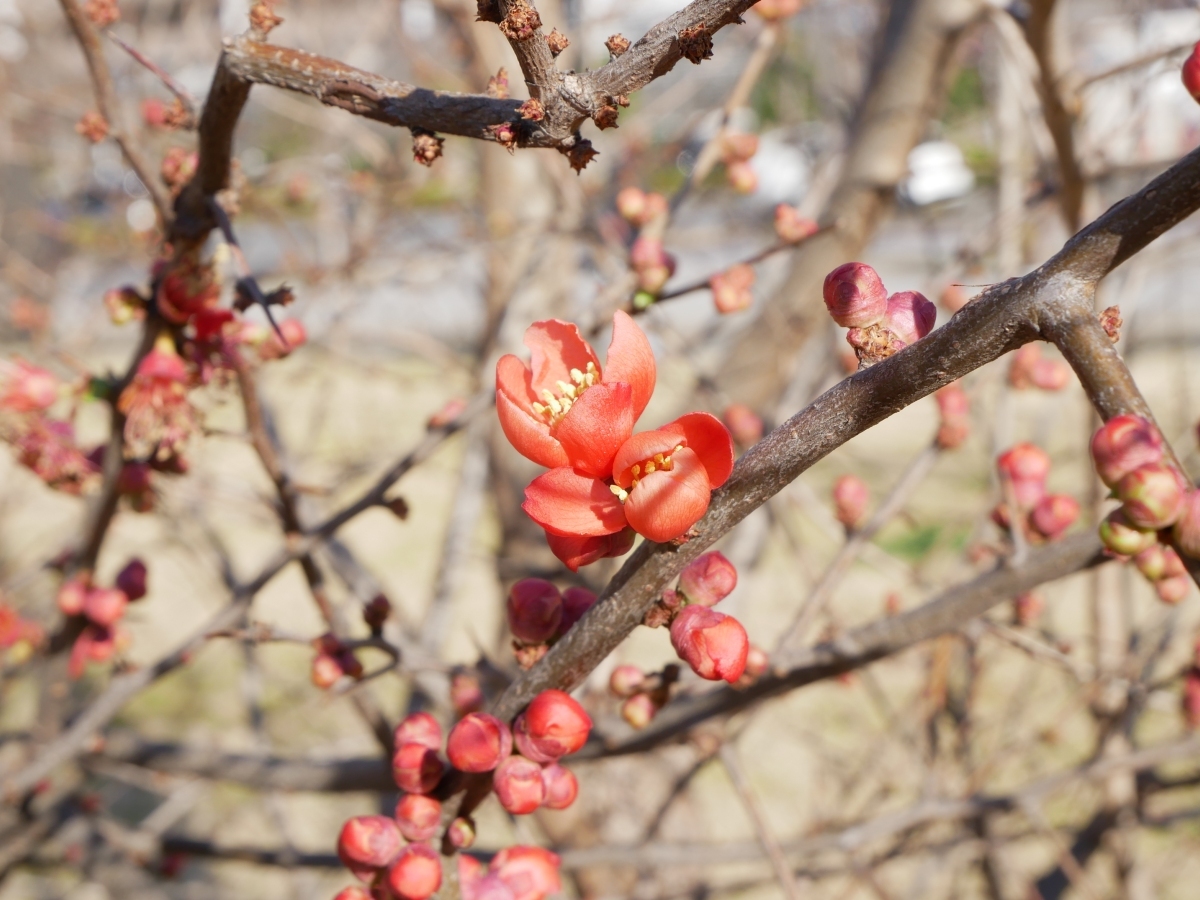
(555, 724)
(1152, 495)
(418, 816)
(478, 743)
(530, 872)
(419, 728)
(1191, 73)
(367, 844)
(953, 297)
(519, 786)
(534, 610)
(850, 498)
(743, 423)
(132, 580)
(71, 595)
(461, 833)
(953, 402)
(953, 433)
(1120, 536)
(626, 681)
(575, 602)
(1187, 529)
(562, 787)
(326, 671)
(855, 296)
(376, 611)
(708, 579)
(416, 874)
(1159, 562)
(757, 662)
(352, 893)
(489, 886)
(741, 177)
(910, 316)
(466, 694)
(416, 768)
(1172, 590)
(647, 253)
(713, 644)
(731, 289)
(1122, 444)
(104, 606)
(631, 205)
(1191, 698)
(1053, 515)
(639, 710)
(1025, 467)
(653, 279)
(1027, 609)
(1050, 374)
(790, 226)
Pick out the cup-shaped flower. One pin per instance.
(518, 785)
(535, 610)
(1187, 528)
(418, 728)
(416, 874)
(562, 787)
(418, 816)
(1124, 538)
(478, 743)
(562, 409)
(416, 768)
(1152, 495)
(1053, 515)
(910, 316)
(850, 498)
(131, 580)
(530, 872)
(1122, 444)
(575, 602)
(708, 579)
(855, 295)
(105, 606)
(713, 644)
(367, 844)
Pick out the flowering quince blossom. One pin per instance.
(159, 418)
(565, 412)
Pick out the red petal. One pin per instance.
(580, 551)
(515, 380)
(641, 447)
(530, 436)
(631, 360)
(595, 427)
(569, 504)
(709, 437)
(557, 347)
(665, 505)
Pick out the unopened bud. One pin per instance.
(416, 874)
(1159, 562)
(419, 728)
(953, 402)
(738, 146)
(742, 177)
(1025, 467)
(418, 816)
(466, 693)
(376, 611)
(1152, 495)
(713, 644)
(731, 289)
(326, 671)
(1122, 537)
(743, 423)
(953, 297)
(367, 844)
(555, 725)
(1122, 444)
(708, 579)
(1027, 609)
(639, 710)
(105, 606)
(71, 595)
(790, 226)
(626, 681)
(461, 833)
(478, 743)
(1191, 73)
(1187, 528)
(757, 662)
(416, 768)
(519, 786)
(1173, 590)
(910, 316)
(576, 601)
(631, 205)
(850, 498)
(352, 893)
(534, 610)
(1050, 374)
(1053, 515)
(562, 787)
(855, 295)
(131, 580)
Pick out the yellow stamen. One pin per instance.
(620, 492)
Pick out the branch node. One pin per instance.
(580, 153)
(696, 43)
(616, 44)
(557, 42)
(522, 21)
(426, 146)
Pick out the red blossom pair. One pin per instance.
(566, 412)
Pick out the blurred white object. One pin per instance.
(140, 215)
(937, 172)
(418, 18)
(783, 170)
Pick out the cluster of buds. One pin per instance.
(538, 615)
(103, 609)
(19, 637)
(333, 662)
(1029, 369)
(713, 644)
(1128, 454)
(743, 423)
(850, 499)
(642, 694)
(879, 325)
(373, 847)
(1027, 505)
(954, 410)
(737, 149)
(791, 227)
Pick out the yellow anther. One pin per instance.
(678, 447)
(577, 376)
(620, 492)
(658, 458)
(649, 467)
(539, 409)
(567, 390)
(637, 470)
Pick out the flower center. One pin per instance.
(659, 462)
(557, 406)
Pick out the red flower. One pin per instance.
(713, 644)
(563, 409)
